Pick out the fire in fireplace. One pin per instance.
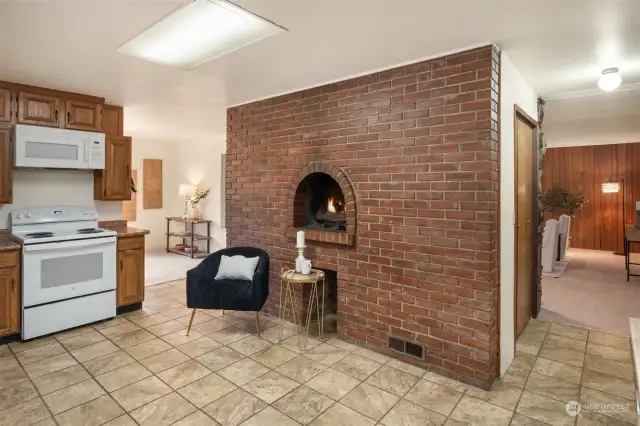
(319, 204)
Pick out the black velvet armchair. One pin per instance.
(205, 292)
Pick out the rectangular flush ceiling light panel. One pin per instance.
(199, 32)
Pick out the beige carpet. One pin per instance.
(161, 267)
(593, 292)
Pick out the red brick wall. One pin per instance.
(420, 145)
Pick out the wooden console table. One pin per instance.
(189, 235)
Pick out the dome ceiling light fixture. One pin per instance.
(610, 79)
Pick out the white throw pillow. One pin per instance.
(237, 268)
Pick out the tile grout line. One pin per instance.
(42, 401)
(420, 378)
(515, 408)
(582, 379)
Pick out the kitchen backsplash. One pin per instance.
(60, 187)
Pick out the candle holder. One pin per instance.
(300, 259)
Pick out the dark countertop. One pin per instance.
(121, 227)
(6, 243)
(127, 231)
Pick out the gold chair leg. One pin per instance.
(193, 314)
(258, 323)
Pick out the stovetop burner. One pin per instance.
(89, 231)
(40, 234)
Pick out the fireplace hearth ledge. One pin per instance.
(325, 236)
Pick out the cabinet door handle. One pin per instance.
(13, 283)
(68, 117)
(56, 115)
(121, 264)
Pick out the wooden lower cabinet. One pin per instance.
(9, 293)
(130, 285)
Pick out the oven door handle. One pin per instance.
(93, 242)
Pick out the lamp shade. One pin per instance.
(611, 187)
(187, 190)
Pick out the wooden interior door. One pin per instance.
(524, 247)
(117, 173)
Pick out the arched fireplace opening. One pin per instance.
(319, 204)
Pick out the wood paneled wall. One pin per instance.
(583, 169)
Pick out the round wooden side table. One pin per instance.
(289, 279)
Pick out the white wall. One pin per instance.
(154, 219)
(514, 91)
(192, 162)
(200, 164)
(56, 188)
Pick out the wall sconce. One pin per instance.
(610, 187)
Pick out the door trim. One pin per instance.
(520, 114)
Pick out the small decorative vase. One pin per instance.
(195, 213)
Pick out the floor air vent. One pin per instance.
(405, 347)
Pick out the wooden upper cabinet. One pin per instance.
(5, 105)
(112, 120)
(114, 182)
(39, 110)
(83, 116)
(6, 167)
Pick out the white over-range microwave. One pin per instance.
(49, 148)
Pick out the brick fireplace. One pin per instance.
(410, 155)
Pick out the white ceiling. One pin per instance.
(593, 119)
(558, 45)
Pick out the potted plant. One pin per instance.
(200, 195)
(559, 201)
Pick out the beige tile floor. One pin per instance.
(141, 368)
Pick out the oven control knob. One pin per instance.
(27, 214)
(18, 216)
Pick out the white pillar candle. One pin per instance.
(300, 239)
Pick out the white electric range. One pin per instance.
(68, 268)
